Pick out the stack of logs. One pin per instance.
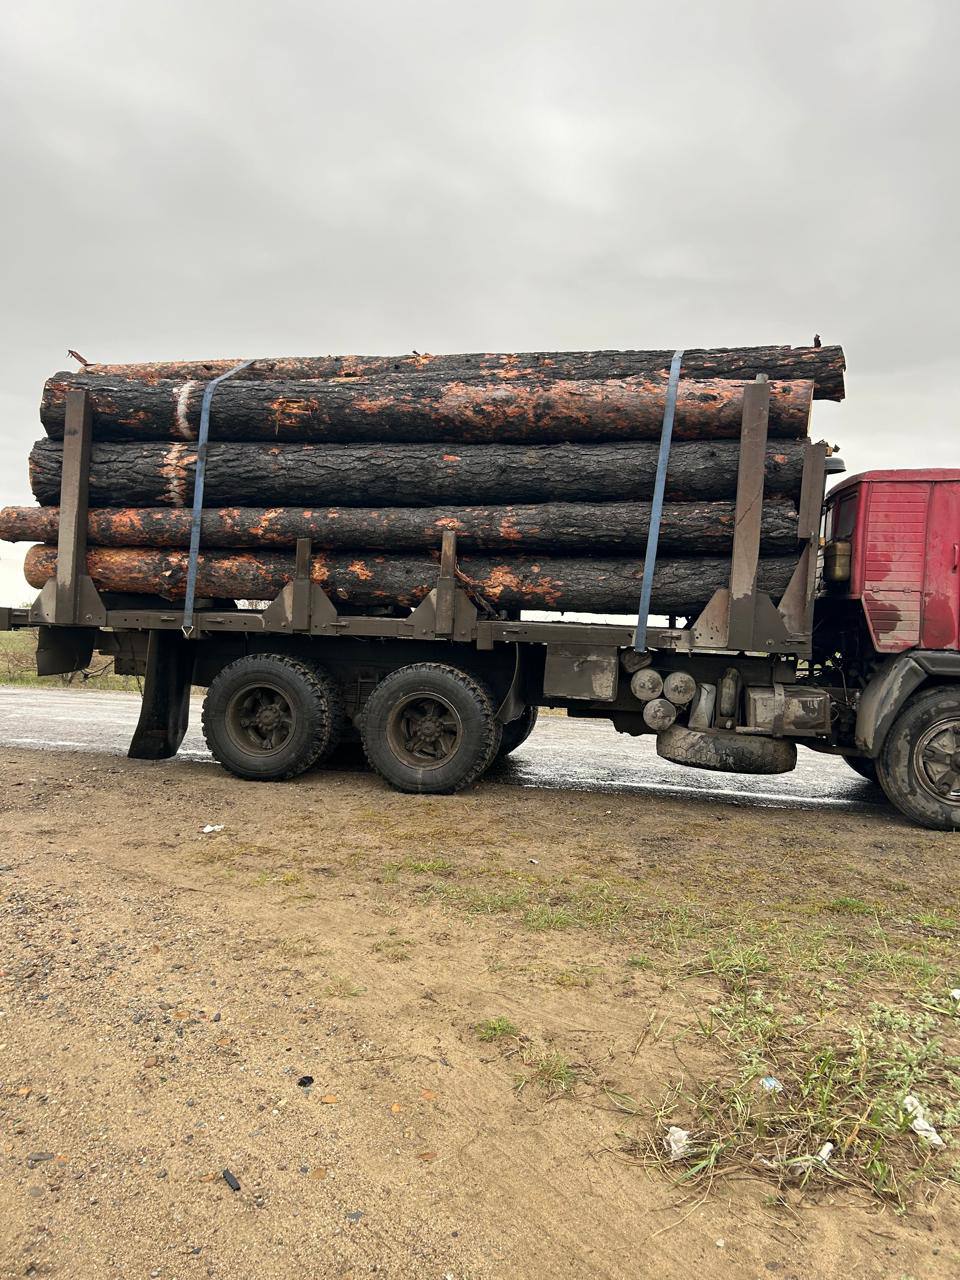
(543, 464)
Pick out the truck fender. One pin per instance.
(894, 682)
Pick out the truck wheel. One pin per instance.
(429, 727)
(517, 732)
(268, 717)
(919, 766)
(863, 765)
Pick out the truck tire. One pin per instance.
(919, 766)
(267, 716)
(517, 732)
(864, 765)
(430, 727)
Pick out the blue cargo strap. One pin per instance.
(199, 476)
(656, 507)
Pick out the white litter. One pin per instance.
(210, 827)
(955, 994)
(802, 1164)
(921, 1126)
(677, 1143)
(770, 1084)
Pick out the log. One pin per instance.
(366, 581)
(687, 528)
(823, 365)
(156, 474)
(411, 407)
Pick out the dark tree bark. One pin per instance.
(366, 581)
(823, 365)
(157, 474)
(412, 407)
(687, 528)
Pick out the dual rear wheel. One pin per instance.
(427, 727)
(269, 716)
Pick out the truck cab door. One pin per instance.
(941, 587)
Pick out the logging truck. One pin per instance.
(851, 648)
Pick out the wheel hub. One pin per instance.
(424, 730)
(260, 718)
(937, 760)
(268, 717)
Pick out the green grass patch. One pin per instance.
(550, 1072)
(438, 866)
(545, 917)
(844, 906)
(499, 1028)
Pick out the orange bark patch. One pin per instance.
(360, 570)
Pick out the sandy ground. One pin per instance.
(163, 991)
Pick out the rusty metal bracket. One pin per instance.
(446, 584)
(70, 598)
(796, 604)
(302, 605)
(446, 612)
(745, 557)
(198, 482)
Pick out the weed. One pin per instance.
(546, 917)
(438, 866)
(393, 947)
(343, 988)
(499, 1028)
(736, 961)
(844, 1087)
(489, 903)
(551, 1072)
(581, 975)
(639, 962)
(850, 907)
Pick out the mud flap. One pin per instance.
(64, 649)
(165, 712)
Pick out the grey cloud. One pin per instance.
(231, 179)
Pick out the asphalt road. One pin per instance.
(581, 755)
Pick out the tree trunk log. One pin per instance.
(411, 407)
(156, 474)
(687, 528)
(824, 365)
(365, 581)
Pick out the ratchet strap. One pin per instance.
(199, 476)
(656, 507)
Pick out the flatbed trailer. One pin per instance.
(438, 692)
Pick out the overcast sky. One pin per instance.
(239, 179)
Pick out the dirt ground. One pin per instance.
(492, 1004)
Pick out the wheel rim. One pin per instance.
(261, 719)
(424, 730)
(936, 761)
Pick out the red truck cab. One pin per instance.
(892, 542)
(888, 624)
